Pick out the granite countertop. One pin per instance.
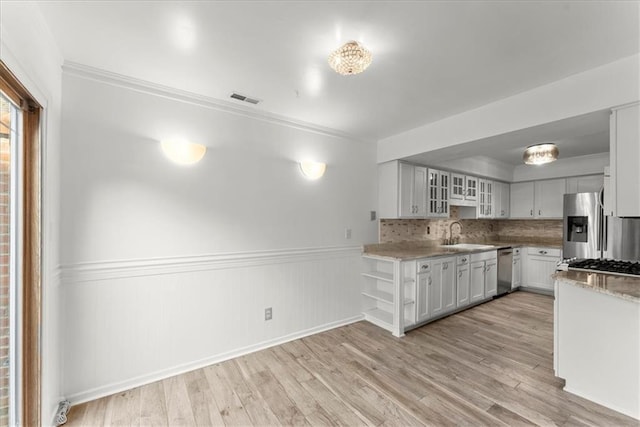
(415, 250)
(618, 286)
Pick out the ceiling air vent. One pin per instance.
(240, 97)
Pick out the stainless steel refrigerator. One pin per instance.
(588, 233)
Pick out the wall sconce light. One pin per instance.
(183, 152)
(312, 170)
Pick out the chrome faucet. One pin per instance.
(457, 239)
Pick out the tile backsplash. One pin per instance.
(473, 230)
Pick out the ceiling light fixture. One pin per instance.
(351, 58)
(312, 170)
(183, 152)
(540, 154)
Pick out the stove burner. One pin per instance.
(607, 265)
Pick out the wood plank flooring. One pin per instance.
(488, 366)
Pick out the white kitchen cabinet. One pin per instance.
(624, 154)
(521, 201)
(413, 181)
(424, 281)
(516, 272)
(442, 291)
(485, 198)
(585, 184)
(541, 264)
(483, 275)
(438, 193)
(501, 199)
(491, 278)
(548, 198)
(462, 281)
(537, 199)
(402, 190)
(464, 190)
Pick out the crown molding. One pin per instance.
(119, 80)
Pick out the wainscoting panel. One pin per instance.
(134, 322)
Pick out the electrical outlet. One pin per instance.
(373, 215)
(347, 233)
(428, 230)
(268, 313)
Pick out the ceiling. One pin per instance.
(577, 136)
(431, 59)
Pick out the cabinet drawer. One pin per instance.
(550, 252)
(424, 266)
(462, 260)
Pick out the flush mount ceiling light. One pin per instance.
(183, 152)
(351, 58)
(312, 170)
(540, 154)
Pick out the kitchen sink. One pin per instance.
(468, 246)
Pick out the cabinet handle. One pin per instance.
(531, 212)
(542, 252)
(488, 267)
(424, 267)
(463, 260)
(460, 273)
(514, 262)
(429, 280)
(539, 212)
(445, 265)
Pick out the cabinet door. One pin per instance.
(489, 209)
(436, 302)
(424, 280)
(471, 185)
(433, 186)
(476, 279)
(516, 273)
(539, 271)
(501, 199)
(548, 198)
(443, 196)
(407, 183)
(625, 158)
(521, 203)
(449, 284)
(462, 285)
(420, 191)
(457, 187)
(491, 278)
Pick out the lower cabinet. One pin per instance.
(541, 265)
(463, 283)
(442, 290)
(484, 275)
(424, 281)
(516, 272)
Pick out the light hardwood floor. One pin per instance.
(490, 365)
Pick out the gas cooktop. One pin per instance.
(623, 268)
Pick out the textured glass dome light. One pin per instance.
(540, 154)
(351, 58)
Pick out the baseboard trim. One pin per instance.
(113, 388)
(616, 408)
(548, 292)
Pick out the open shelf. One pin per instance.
(379, 275)
(379, 295)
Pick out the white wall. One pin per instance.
(28, 49)
(597, 89)
(480, 166)
(167, 268)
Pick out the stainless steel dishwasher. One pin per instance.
(505, 269)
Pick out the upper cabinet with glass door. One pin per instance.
(438, 193)
(464, 190)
